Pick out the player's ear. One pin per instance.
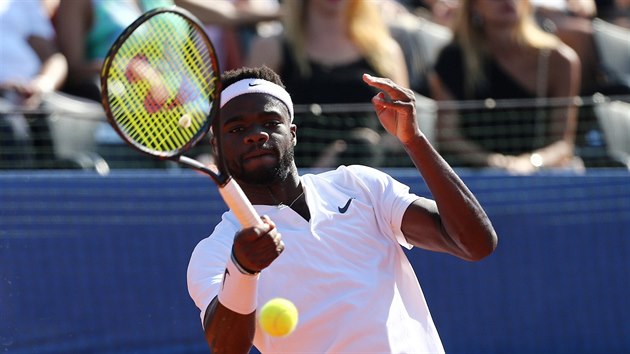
(294, 133)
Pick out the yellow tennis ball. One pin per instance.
(278, 317)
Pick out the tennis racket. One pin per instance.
(160, 85)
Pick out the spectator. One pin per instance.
(30, 67)
(328, 45)
(500, 53)
(88, 28)
(231, 24)
(570, 20)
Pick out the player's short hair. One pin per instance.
(262, 72)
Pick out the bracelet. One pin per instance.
(239, 290)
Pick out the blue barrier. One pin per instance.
(92, 264)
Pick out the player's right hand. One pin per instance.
(256, 247)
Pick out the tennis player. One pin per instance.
(339, 258)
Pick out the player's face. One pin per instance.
(257, 138)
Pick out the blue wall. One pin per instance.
(97, 264)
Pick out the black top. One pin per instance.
(327, 84)
(340, 84)
(450, 68)
(504, 130)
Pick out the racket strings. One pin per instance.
(160, 76)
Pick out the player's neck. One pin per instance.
(294, 198)
(282, 193)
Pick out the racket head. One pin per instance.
(160, 83)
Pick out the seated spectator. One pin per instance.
(30, 67)
(570, 20)
(573, 22)
(321, 55)
(232, 24)
(499, 53)
(88, 28)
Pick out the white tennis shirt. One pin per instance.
(345, 271)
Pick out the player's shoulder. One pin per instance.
(351, 174)
(224, 230)
(220, 240)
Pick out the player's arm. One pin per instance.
(455, 222)
(227, 331)
(230, 319)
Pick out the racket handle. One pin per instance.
(239, 204)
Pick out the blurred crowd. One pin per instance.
(500, 83)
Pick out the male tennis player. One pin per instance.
(339, 258)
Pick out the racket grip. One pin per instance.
(239, 204)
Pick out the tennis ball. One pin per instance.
(278, 317)
(185, 121)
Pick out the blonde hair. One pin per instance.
(364, 25)
(471, 38)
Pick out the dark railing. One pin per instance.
(71, 133)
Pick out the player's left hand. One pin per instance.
(395, 107)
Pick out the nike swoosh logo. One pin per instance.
(345, 207)
(254, 83)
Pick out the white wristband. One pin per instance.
(239, 291)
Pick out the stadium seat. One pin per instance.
(73, 122)
(612, 43)
(614, 118)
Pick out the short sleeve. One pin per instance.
(207, 265)
(390, 199)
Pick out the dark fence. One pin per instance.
(72, 133)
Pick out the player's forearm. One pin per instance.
(228, 331)
(230, 318)
(463, 218)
